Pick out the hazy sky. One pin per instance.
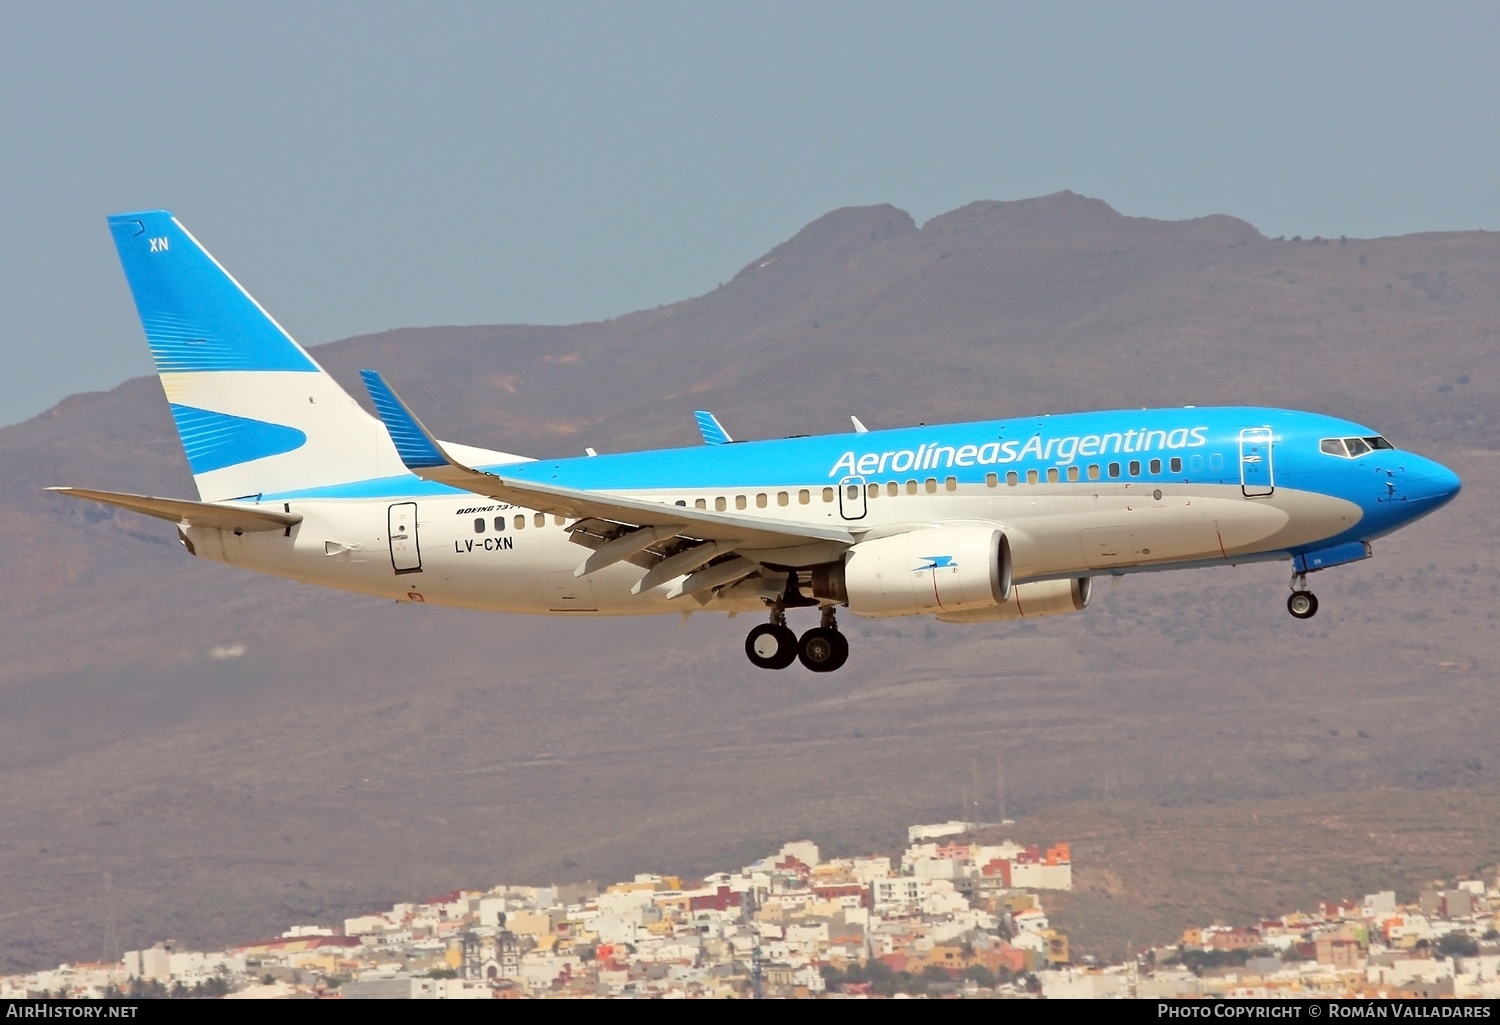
(365, 166)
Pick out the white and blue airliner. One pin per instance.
(970, 522)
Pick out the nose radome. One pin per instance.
(1434, 482)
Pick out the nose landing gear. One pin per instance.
(773, 645)
(1302, 604)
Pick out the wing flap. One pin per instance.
(193, 514)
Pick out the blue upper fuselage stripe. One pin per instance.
(196, 317)
(1089, 438)
(412, 443)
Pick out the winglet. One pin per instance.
(713, 432)
(859, 428)
(418, 449)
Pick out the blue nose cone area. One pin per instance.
(1433, 484)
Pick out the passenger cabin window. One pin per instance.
(1012, 479)
(1093, 471)
(1135, 467)
(853, 491)
(911, 487)
(760, 501)
(1031, 477)
(782, 498)
(701, 503)
(479, 525)
(828, 494)
(739, 501)
(720, 504)
(892, 489)
(804, 496)
(1176, 464)
(1156, 466)
(540, 519)
(1072, 473)
(1051, 475)
(873, 490)
(520, 522)
(991, 480)
(931, 485)
(951, 483)
(1114, 469)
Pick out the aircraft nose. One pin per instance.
(1434, 482)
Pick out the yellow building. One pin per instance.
(529, 923)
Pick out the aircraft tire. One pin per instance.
(771, 646)
(1302, 604)
(823, 650)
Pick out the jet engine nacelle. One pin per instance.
(927, 570)
(1031, 601)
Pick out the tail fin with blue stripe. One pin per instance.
(256, 414)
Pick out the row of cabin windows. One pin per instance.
(892, 488)
(537, 519)
(930, 486)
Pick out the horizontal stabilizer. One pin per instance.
(192, 514)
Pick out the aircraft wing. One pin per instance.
(425, 456)
(193, 514)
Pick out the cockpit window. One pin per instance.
(1352, 448)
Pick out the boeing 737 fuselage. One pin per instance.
(973, 522)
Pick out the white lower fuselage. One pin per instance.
(527, 565)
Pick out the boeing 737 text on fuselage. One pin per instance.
(973, 522)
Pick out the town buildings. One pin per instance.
(947, 916)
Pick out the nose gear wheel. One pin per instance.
(1302, 604)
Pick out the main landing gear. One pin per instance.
(1302, 604)
(773, 645)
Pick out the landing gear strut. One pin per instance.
(772, 645)
(1302, 604)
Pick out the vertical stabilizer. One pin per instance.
(256, 414)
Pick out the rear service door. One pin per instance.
(401, 528)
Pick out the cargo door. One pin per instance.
(566, 593)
